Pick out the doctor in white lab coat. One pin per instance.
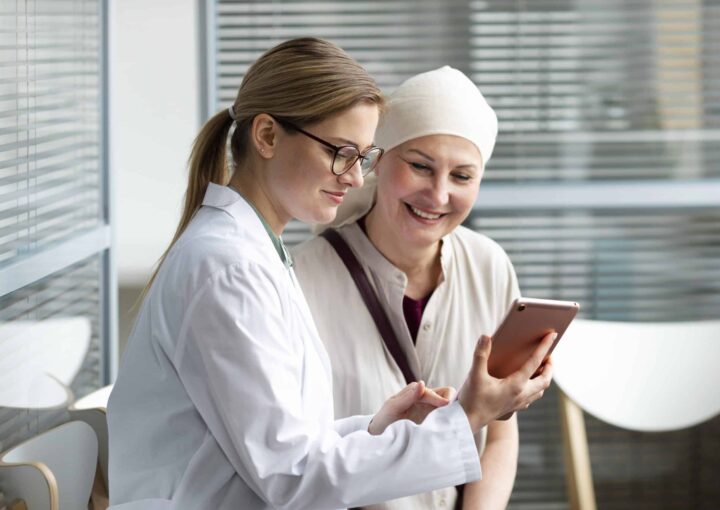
(224, 396)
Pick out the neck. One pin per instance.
(246, 182)
(421, 265)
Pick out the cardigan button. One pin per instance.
(427, 326)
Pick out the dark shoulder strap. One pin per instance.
(378, 314)
(371, 301)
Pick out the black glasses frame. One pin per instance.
(337, 148)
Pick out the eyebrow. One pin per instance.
(345, 141)
(422, 154)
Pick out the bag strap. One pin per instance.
(371, 301)
(379, 316)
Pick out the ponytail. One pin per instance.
(207, 163)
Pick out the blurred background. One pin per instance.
(604, 187)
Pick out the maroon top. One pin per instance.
(412, 308)
(413, 311)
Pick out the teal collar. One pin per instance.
(276, 240)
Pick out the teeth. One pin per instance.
(424, 214)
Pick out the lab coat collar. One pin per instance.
(225, 198)
(230, 201)
(234, 204)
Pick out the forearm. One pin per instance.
(499, 465)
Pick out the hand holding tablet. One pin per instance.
(510, 371)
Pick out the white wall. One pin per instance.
(154, 116)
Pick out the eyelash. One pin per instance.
(463, 177)
(423, 167)
(419, 166)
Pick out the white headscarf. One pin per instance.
(439, 102)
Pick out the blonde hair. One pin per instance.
(303, 81)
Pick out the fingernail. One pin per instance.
(554, 336)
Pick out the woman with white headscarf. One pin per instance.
(440, 285)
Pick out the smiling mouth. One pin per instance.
(336, 196)
(422, 214)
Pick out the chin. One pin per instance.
(318, 217)
(424, 241)
(424, 237)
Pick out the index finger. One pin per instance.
(433, 398)
(538, 355)
(542, 381)
(447, 392)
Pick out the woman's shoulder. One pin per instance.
(316, 253)
(476, 243)
(310, 256)
(214, 243)
(310, 248)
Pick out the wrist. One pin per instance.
(476, 419)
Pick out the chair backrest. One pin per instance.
(66, 456)
(92, 409)
(31, 482)
(40, 359)
(642, 376)
(98, 399)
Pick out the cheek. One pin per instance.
(465, 200)
(401, 185)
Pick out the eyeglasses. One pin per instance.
(344, 156)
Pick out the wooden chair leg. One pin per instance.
(578, 472)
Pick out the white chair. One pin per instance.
(52, 471)
(40, 359)
(647, 377)
(92, 409)
(98, 399)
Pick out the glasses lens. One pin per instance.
(370, 160)
(347, 155)
(345, 158)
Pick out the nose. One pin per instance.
(439, 193)
(352, 177)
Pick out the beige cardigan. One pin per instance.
(477, 288)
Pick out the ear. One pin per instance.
(264, 136)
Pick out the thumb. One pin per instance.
(482, 353)
(479, 368)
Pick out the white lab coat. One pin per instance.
(224, 397)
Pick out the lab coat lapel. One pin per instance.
(311, 329)
(230, 201)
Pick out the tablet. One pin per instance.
(525, 324)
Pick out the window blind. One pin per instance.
(55, 256)
(604, 186)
